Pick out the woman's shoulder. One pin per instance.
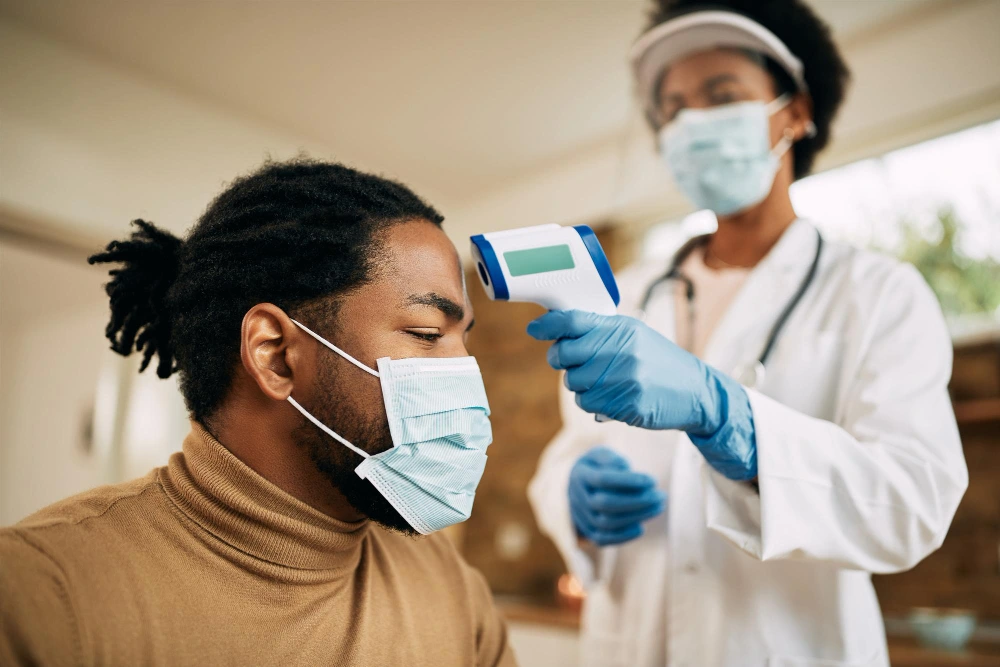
(866, 271)
(880, 290)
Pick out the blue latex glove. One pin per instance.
(607, 501)
(621, 368)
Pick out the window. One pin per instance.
(936, 204)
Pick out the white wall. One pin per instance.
(933, 73)
(89, 146)
(58, 375)
(52, 354)
(85, 147)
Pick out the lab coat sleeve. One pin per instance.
(549, 488)
(876, 491)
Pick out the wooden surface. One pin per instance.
(544, 615)
(976, 411)
(976, 372)
(906, 652)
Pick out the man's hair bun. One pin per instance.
(139, 290)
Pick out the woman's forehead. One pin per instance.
(703, 70)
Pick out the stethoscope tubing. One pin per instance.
(674, 273)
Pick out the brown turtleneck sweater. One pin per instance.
(204, 562)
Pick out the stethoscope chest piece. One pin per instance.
(750, 375)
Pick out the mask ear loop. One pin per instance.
(305, 413)
(326, 429)
(786, 141)
(336, 349)
(778, 103)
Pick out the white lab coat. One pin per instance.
(860, 471)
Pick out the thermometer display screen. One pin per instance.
(539, 260)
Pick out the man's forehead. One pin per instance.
(423, 260)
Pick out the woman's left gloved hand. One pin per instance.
(622, 369)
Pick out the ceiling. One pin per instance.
(459, 96)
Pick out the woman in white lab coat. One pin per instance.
(716, 522)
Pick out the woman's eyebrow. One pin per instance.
(719, 79)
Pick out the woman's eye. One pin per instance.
(724, 98)
(668, 115)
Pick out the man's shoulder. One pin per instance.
(67, 563)
(71, 523)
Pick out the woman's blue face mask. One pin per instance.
(721, 158)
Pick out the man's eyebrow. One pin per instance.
(451, 309)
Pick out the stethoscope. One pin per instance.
(750, 375)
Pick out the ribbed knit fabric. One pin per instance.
(204, 562)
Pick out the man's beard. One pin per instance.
(336, 461)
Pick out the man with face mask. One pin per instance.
(317, 317)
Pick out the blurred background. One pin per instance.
(502, 114)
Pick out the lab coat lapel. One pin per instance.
(741, 334)
(661, 313)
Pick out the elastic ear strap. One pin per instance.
(335, 348)
(782, 101)
(778, 103)
(326, 429)
(786, 141)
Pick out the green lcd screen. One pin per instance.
(539, 260)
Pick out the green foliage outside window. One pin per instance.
(963, 285)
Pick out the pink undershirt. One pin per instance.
(714, 291)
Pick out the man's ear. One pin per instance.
(267, 350)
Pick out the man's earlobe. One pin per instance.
(264, 349)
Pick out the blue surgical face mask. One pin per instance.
(721, 158)
(439, 420)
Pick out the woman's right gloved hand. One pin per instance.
(607, 501)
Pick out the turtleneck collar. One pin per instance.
(226, 498)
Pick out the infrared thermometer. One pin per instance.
(559, 268)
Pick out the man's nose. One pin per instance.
(455, 348)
